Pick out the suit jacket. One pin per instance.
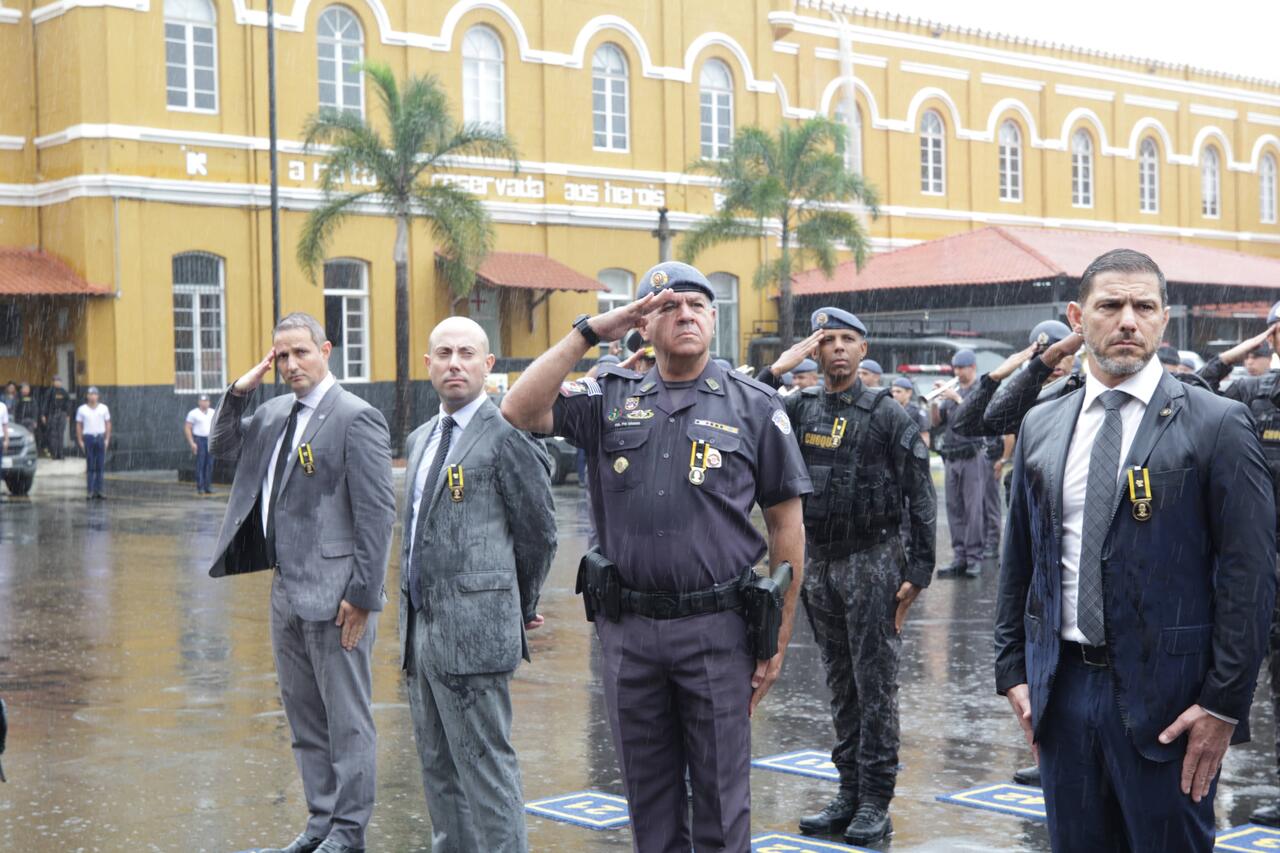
(481, 561)
(333, 527)
(1187, 594)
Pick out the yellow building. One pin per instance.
(133, 147)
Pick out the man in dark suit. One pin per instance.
(1137, 583)
(479, 535)
(312, 500)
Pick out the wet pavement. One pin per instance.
(145, 716)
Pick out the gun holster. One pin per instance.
(762, 599)
(600, 587)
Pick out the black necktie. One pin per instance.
(424, 504)
(282, 459)
(1099, 507)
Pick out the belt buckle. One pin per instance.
(665, 604)
(1098, 659)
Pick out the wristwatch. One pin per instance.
(584, 328)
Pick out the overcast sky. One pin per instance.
(1235, 36)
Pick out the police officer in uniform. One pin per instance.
(677, 458)
(53, 416)
(804, 374)
(870, 373)
(905, 392)
(967, 471)
(866, 459)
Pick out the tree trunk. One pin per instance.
(403, 402)
(786, 302)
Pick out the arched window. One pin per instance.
(932, 154)
(1210, 184)
(1010, 162)
(609, 98)
(853, 144)
(198, 359)
(715, 108)
(340, 47)
(1082, 169)
(725, 342)
(1267, 189)
(190, 55)
(1148, 177)
(346, 317)
(482, 78)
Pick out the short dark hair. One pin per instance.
(1121, 260)
(301, 320)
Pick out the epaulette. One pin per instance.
(750, 382)
(618, 370)
(871, 397)
(812, 390)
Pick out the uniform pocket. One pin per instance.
(1189, 640)
(338, 548)
(621, 462)
(727, 468)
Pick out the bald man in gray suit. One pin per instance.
(312, 500)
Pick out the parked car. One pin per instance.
(18, 464)
(564, 459)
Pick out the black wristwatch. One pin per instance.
(584, 328)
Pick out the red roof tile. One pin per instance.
(532, 272)
(1003, 255)
(30, 272)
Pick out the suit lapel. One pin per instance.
(1165, 404)
(416, 460)
(457, 452)
(1061, 439)
(316, 421)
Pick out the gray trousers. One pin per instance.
(991, 509)
(965, 516)
(462, 724)
(327, 693)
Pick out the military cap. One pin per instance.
(835, 318)
(808, 365)
(872, 365)
(1263, 350)
(1188, 362)
(673, 275)
(1274, 314)
(1049, 332)
(204, 397)
(1168, 355)
(964, 358)
(787, 379)
(93, 389)
(904, 382)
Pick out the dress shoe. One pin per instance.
(973, 570)
(1266, 816)
(870, 825)
(954, 570)
(331, 846)
(833, 818)
(1031, 776)
(302, 844)
(990, 552)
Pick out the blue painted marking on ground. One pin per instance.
(1249, 838)
(778, 842)
(591, 809)
(806, 762)
(1002, 797)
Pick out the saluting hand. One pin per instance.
(1207, 742)
(1056, 352)
(352, 621)
(1237, 353)
(251, 380)
(791, 358)
(1006, 368)
(612, 325)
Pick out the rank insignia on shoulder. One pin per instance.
(712, 384)
(646, 387)
(782, 422)
(306, 459)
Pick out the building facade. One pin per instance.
(133, 147)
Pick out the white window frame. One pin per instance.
(354, 301)
(1267, 190)
(189, 26)
(333, 45)
(195, 291)
(933, 154)
(852, 147)
(715, 96)
(483, 64)
(610, 84)
(1210, 184)
(1148, 177)
(724, 344)
(490, 321)
(1010, 161)
(622, 287)
(1081, 169)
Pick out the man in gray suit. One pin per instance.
(479, 535)
(312, 500)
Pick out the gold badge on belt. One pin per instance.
(455, 482)
(837, 432)
(698, 461)
(306, 459)
(1140, 493)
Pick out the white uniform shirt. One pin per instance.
(4, 415)
(461, 418)
(201, 422)
(94, 418)
(309, 404)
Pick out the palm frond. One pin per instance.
(461, 230)
(722, 228)
(319, 227)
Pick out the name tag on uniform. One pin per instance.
(454, 473)
(306, 459)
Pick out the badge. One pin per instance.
(733, 430)
(613, 415)
(1165, 412)
(620, 464)
(1140, 493)
(631, 404)
(713, 458)
(781, 421)
(821, 319)
(640, 415)
(699, 462)
(1043, 338)
(1142, 510)
(697, 476)
(658, 279)
(306, 459)
(455, 482)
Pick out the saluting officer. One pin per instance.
(677, 457)
(967, 471)
(866, 458)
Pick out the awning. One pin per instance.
(1007, 255)
(30, 272)
(527, 271)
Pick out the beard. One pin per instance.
(1123, 366)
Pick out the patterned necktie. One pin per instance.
(282, 459)
(1099, 507)
(424, 504)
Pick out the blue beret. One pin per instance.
(964, 358)
(871, 365)
(608, 359)
(835, 318)
(1274, 314)
(806, 366)
(904, 382)
(1048, 332)
(673, 275)
(1188, 362)
(787, 379)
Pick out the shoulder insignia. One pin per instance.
(750, 382)
(647, 387)
(781, 421)
(712, 384)
(616, 370)
(578, 387)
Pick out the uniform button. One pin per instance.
(671, 420)
(660, 533)
(661, 493)
(666, 456)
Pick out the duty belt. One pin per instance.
(962, 453)
(676, 605)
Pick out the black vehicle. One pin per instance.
(18, 463)
(564, 459)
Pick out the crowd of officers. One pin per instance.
(45, 414)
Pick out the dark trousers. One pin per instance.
(1101, 794)
(1273, 668)
(204, 464)
(677, 692)
(95, 455)
(965, 506)
(54, 430)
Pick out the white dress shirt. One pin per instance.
(461, 418)
(1140, 388)
(94, 418)
(309, 404)
(201, 422)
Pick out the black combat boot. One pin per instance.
(1266, 816)
(955, 570)
(870, 824)
(833, 818)
(1031, 776)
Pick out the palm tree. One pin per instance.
(423, 135)
(797, 178)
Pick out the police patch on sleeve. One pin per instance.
(578, 387)
(782, 422)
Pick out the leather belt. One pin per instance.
(677, 605)
(1089, 655)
